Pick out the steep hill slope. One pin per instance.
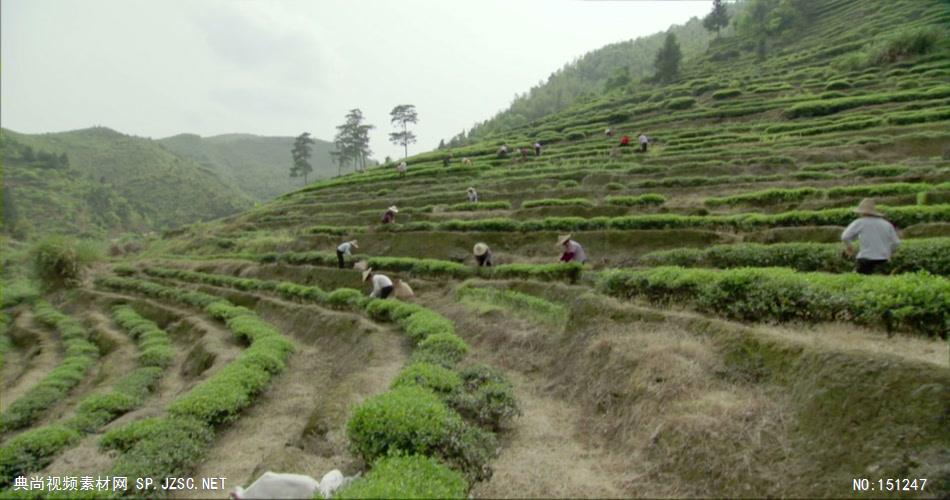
(584, 78)
(258, 165)
(679, 361)
(138, 179)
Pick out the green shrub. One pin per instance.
(576, 135)
(933, 197)
(58, 261)
(765, 197)
(522, 304)
(80, 356)
(158, 447)
(545, 272)
(824, 107)
(124, 270)
(407, 477)
(486, 397)
(879, 189)
(726, 94)
(568, 184)
(445, 349)
(420, 266)
(680, 103)
(344, 298)
(407, 419)
(832, 95)
(480, 205)
(33, 450)
(921, 116)
(838, 85)
(912, 302)
(17, 291)
(221, 397)
(614, 186)
(557, 202)
(904, 43)
(880, 171)
(436, 378)
(637, 201)
(931, 255)
(423, 323)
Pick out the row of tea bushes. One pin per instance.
(419, 415)
(914, 302)
(168, 446)
(35, 448)
(81, 355)
(930, 254)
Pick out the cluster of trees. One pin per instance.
(622, 64)
(769, 21)
(352, 141)
(13, 150)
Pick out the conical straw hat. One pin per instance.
(366, 273)
(866, 207)
(355, 244)
(562, 239)
(480, 249)
(394, 209)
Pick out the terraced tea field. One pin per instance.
(717, 343)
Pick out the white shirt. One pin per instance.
(643, 139)
(472, 196)
(876, 237)
(344, 247)
(579, 254)
(401, 167)
(379, 282)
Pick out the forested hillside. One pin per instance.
(579, 81)
(98, 181)
(677, 319)
(258, 165)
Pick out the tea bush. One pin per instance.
(486, 397)
(726, 94)
(636, 201)
(436, 378)
(931, 255)
(80, 355)
(913, 302)
(445, 349)
(557, 202)
(406, 419)
(401, 476)
(480, 205)
(765, 197)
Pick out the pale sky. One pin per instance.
(157, 68)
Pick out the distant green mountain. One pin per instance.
(258, 165)
(98, 181)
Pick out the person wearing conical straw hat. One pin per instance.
(572, 250)
(472, 195)
(482, 254)
(877, 238)
(382, 285)
(344, 249)
(390, 216)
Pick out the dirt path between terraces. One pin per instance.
(298, 423)
(544, 452)
(86, 457)
(37, 360)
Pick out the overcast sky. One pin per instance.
(275, 67)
